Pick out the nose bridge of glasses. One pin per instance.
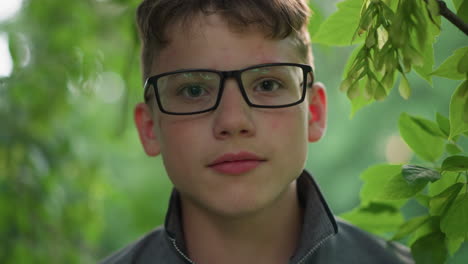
(232, 77)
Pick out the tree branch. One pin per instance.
(452, 17)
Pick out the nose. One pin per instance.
(233, 117)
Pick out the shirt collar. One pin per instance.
(319, 222)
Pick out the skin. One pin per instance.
(255, 216)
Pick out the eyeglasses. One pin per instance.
(194, 91)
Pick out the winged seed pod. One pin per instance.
(398, 33)
(380, 57)
(391, 61)
(406, 64)
(371, 39)
(380, 92)
(388, 79)
(345, 85)
(369, 88)
(366, 20)
(433, 8)
(404, 87)
(353, 91)
(415, 57)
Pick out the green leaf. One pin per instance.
(430, 249)
(398, 188)
(459, 111)
(462, 66)
(447, 180)
(375, 178)
(339, 29)
(410, 226)
(414, 174)
(316, 20)
(455, 163)
(429, 126)
(462, 13)
(404, 88)
(449, 68)
(458, 3)
(453, 149)
(424, 144)
(376, 218)
(453, 244)
(454, 222)
(441, 202)
(444, 124)
(422, 199)
(428, 227)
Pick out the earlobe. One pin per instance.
(145, 126)
(317, 112)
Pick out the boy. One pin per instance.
(230, 104)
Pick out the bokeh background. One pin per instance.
(75, 184)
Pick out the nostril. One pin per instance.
(227, 133)
(244, 131)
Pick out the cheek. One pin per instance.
(176, 148)
(275, 124)
(290, 121)
(177, 135)
(287, 136)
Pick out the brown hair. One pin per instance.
(277, 19)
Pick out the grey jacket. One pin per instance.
(324, 238)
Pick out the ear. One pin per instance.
(317, 111)
(145, 125)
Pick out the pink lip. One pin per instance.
(236, 163)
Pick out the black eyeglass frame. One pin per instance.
(236, 74)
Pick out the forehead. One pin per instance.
(209, 42)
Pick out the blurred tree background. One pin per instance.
(75, 184)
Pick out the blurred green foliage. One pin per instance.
(74, 182)
(55, 134)
(398, 36)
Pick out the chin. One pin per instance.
(238, 209)
(244, 202)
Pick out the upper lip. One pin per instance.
(240, 156)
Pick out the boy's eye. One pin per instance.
(268, 86)
(192, 91)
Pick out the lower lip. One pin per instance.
(236, 167)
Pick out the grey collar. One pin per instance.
(319, 222)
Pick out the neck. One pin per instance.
(268, 236)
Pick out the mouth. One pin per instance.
(236, 163)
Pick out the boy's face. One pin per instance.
(190, 145)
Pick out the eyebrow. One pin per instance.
(196, 74)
